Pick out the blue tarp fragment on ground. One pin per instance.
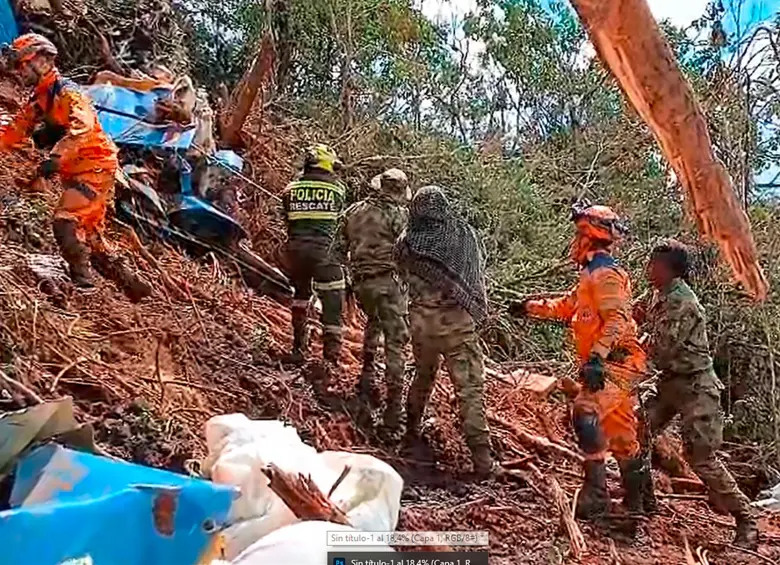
(8, 28)
(71, 505)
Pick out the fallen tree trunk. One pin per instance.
(629, 42)
(302, 497)
(246, 92)
(536, 442)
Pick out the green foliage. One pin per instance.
(222, 37)
(509, 112)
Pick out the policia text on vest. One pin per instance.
(314, 200)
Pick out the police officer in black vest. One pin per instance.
(312, 205)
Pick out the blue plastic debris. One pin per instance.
(125, 116)
(229, 160)
(71, 505)
(8, 28)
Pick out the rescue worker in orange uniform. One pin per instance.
(83, 156)
(599, 310)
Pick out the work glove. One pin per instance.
(519, 308)
(593, 373)
(48, 168)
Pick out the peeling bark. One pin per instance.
(629, 42)
(247, 91)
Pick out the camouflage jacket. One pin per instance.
(312, 204)
(435, 314)
(366, 235)
(678, 330)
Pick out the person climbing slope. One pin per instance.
(688, 385)
(312, 205)
(441, 260)
(366, 237)
(610, 357)
(83, 156)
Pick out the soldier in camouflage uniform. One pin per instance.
(366, 236)
(688, 385)
(441, 260)
(312, 205)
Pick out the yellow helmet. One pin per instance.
(322, 157)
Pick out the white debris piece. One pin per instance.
(769, 499)
(238, 451)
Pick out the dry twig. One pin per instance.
(539, 443)
(565, 510)
(341, 478)
(302, 497)
(752, 553)
(64, 370)
(21, 387)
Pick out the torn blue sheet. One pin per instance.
(229, 160)
(8, 28)
(125, 114)
(68, 505)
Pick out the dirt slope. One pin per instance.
(149, 375)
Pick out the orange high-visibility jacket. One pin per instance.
(599, 312)
(84, 146)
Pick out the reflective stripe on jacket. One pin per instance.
(599, 311)
(82, 146)
(313, 204)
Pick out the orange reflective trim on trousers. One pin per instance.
(84, 201)
(617, 417)
(627, 373)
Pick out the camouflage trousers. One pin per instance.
(449, 332)
(697, 399)
(384, 303)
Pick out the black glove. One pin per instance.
(519, 308)
(48, 168)
(592, 373)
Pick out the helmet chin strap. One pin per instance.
(583, 246)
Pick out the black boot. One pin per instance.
(593, 502)
(483, 461)
(300, 346)
(367, 386)
(747, 531)
(635, 475)
(415, 409)
(115, 269)
(393, 418)
(331, 345)
(74, 252)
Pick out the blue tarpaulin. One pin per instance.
(122, 113)
(68, 505)
(8, 27)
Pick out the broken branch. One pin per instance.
(566, 511)
(539, 443)
(65, 369)
(302, 497)
(21, 387)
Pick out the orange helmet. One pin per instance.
(28, 46)
(598, 223)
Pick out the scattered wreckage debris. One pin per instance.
(149, 396)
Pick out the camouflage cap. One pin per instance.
(393, 182)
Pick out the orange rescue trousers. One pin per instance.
(606, 420)
(85, 201)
